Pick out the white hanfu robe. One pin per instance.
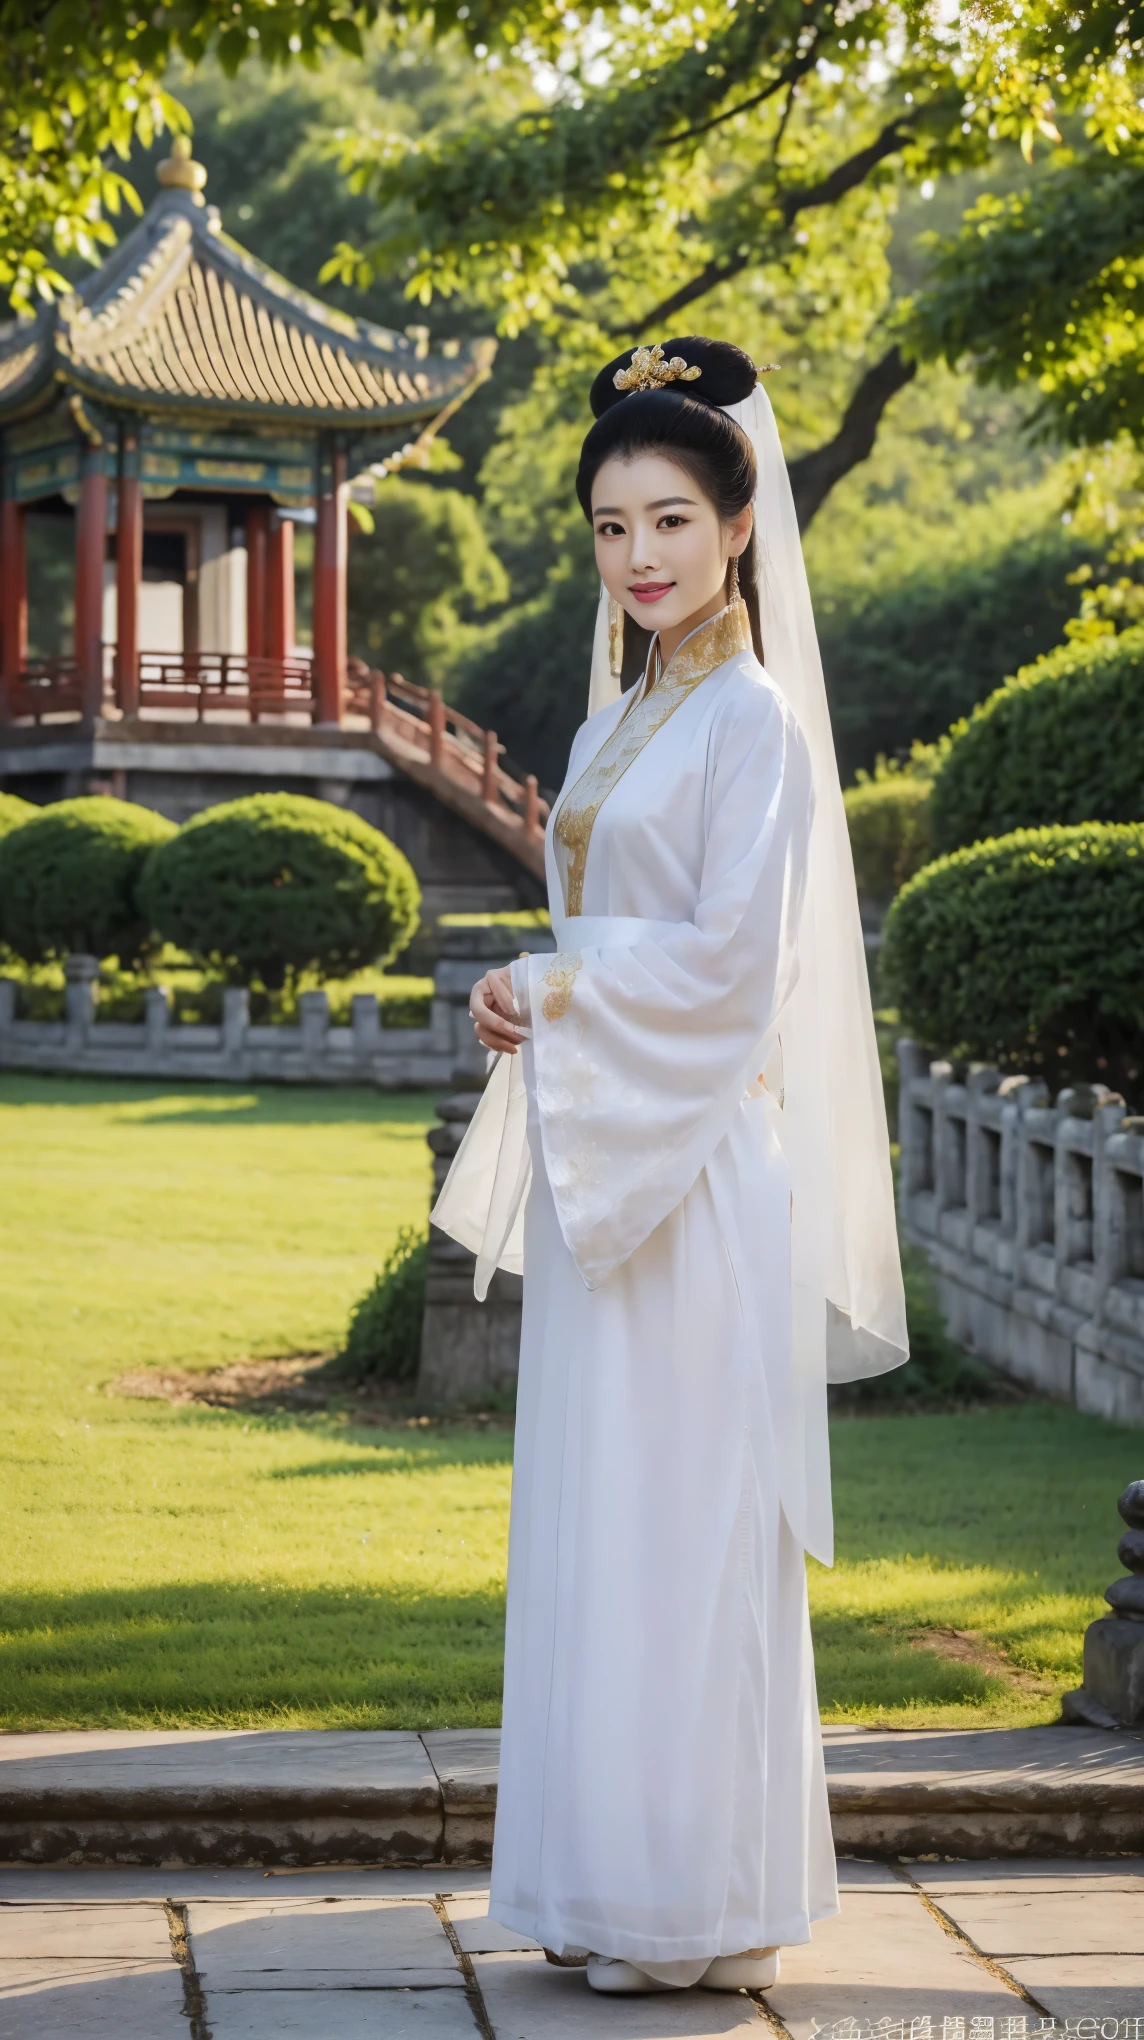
(662, 1795)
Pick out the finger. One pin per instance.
(485, 1015)
(501, 1044)
(498, 992)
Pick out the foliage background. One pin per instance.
(938, 566)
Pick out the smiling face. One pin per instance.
(661, 547)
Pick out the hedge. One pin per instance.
(888, 819)
(383, 1342)
(1028, 951)
(270, 886)
(1062, 742)
(14, 812)
(69, 879)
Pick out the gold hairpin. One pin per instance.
(649, 370)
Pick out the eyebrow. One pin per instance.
(662, 503)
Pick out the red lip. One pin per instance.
(650, 591)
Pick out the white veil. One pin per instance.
(850, 1312)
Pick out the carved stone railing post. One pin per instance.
(1113, 1692)
(81, 976)
(156, 1018)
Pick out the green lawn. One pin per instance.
(170, 1565)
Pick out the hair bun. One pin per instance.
(726, 374)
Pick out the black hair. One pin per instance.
(684, 421)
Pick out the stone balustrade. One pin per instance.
(1032, 1215)
(313, 1052)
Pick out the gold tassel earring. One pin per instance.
(733, 581)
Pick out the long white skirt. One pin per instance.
(662, 1794)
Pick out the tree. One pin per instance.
(83, 82)
(677, 156)
(417, 581)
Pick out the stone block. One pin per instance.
(108, 1932)
(883, 1957)
(56, 1999)
(1075, 1920)
(370, 1940)
(1114, 1666)
(340, 2015)
(465, 1760)
(528, 1999)
(1085, 1988)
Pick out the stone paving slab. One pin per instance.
(101, 1883)
(1046, 1873)
(83, 2000)
(343, 2015)
(528, 1999)
(884, 1956)
(297, 1797)
(377, 1939)
(109, 1932)
(272, 1956)
(1092, 1921)
(1085, 1986)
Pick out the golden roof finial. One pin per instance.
(180, 172)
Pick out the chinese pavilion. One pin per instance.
(185, 409)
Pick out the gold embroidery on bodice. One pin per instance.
(708, 647)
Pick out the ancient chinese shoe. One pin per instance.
(621, 1979)
(756, 1969)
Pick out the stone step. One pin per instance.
(297, 1797)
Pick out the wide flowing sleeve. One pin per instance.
(643, 1053)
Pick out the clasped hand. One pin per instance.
(493, 1012)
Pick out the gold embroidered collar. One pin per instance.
(652, 703)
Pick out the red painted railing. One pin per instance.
(203, 680)
(44, 687)
(413, 726)
(450, 745)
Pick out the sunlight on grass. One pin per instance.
(173, 1566)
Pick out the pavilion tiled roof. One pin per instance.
(180, 317)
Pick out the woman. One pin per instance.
(683, 1145)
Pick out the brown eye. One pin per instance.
(609, 531)
(671, 521)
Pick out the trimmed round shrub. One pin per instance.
(1028, 951)
(888, 819)
(277, 884)
(69, 879)
(1062, 742)
(383, 1342)
(14, 812)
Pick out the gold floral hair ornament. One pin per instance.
(649, 370)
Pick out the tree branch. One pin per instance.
(814, 475)
(844, 177)
(789, 76)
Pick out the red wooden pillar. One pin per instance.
(330, 548)
(280, 590)
(257, 545)
(90, 551)
(128, 574)
(13, 597)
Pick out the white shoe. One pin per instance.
(622, 1979)
(757, 1969)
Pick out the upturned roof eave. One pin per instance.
(454, 376)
